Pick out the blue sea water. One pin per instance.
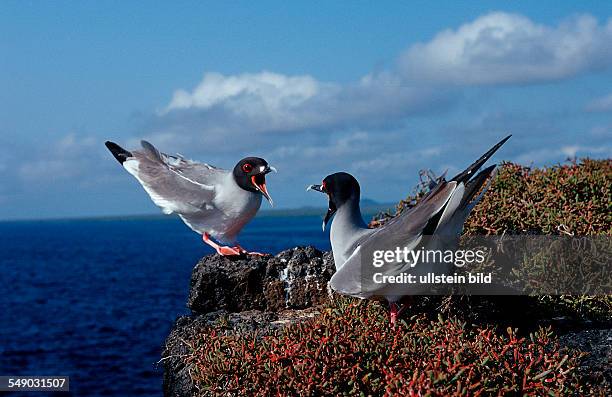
(95, 299)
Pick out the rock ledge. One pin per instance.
(246, 294)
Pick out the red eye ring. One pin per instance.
(247, 167)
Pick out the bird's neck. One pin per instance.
(349, 215)
(347, 226)
(347, 223)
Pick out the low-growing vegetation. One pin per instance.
(574, 198)
(351, 350)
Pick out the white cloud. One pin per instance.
(560, 154)
(601, 132)
(269, 91)
(368, 154)
(502, 48)
(400, 159)
(69, 157)
(47, 170)
(602, 104)
(73, 143)
(243, 105)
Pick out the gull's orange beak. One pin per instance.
(259, 181)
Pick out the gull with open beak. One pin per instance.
(213, 202)
(437, 221)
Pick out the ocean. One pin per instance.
(95, 299)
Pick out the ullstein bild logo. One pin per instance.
(432, 278)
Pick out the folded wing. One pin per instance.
(354, 277)
(174, 184)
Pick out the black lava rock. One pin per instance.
(294, 279)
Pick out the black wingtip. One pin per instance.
(475, 184)
(469, 172)
(120, 153)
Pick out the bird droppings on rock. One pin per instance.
(293, 279)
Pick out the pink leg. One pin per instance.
(393, 309)
(221, 250)
(395, 312)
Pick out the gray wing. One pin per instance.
(174, 183)
(355, 277)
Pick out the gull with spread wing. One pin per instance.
(213, 202)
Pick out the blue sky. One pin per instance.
(379, 90)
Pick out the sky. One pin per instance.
(378, 89)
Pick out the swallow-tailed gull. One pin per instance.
(213, 202)
(440, 214)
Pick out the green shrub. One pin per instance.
(573, 198)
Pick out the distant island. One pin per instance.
(368, 207)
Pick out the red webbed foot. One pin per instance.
(228, 251)
(221, 249)
(242, 250)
